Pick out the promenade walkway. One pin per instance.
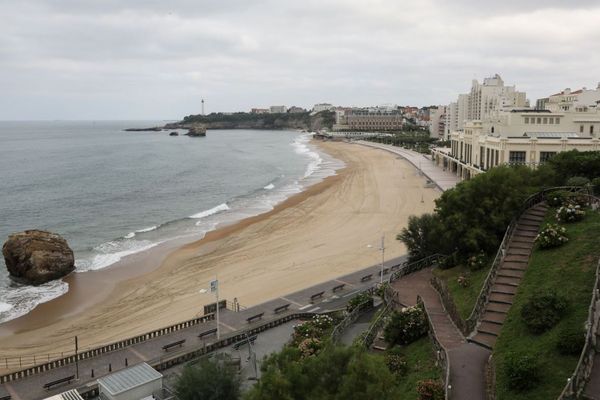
(467, 360)
(443, 179)
(31, 387)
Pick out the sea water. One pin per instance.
(112, 193)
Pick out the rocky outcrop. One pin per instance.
(196, 130)
(173, 134)
(152, 129)
(35, 257)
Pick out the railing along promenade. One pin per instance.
(441, 352)
(576, 383)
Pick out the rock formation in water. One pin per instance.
(35, 257)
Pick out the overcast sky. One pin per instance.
(156, 59)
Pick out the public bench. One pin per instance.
(366, 278)
(174, 344)
(66, 379)
(281, 308)
(209, 332)
(338, 288)
(255, 317)
(243, 342)
(385, 271)
(316, 296)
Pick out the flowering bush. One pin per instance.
(570, 213)
(406, 326)
(463, 281)
(395, 361)
(476, 262)
(363, 299)
(556, 199)
(430, 390)
(552, 236)
(310, 347)
(322, 322)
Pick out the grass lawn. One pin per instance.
(464, 297)
(420, 358)
(569, 271)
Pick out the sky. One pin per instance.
(156, 59)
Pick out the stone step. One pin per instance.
(514, 265)
(516, 258)
(520, 232)
(520, 245)
(512, 251)
(535, 212)
(511, 273)
(484, 340)
(489, 328)
(534, 219)
(505, 280)
(494, 317)
(498, 307)
(525, 226)
(528, 240)
(502, 298)
(505, 289)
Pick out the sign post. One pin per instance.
(214, 288)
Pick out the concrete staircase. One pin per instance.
(509, 276)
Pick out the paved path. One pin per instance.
(443, 179)
(467, 361)
(30, 388)
(592, 388)
(359, 326)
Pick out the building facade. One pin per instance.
(437, 122)
(277, 109)
(368, 119)
(525, 136)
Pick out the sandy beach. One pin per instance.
(331, 229)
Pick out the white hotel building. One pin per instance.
(500, 128)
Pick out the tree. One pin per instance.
(335, 373)
(421, 236)
(208, 380)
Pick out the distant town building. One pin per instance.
(260, 111)
(437, 122)
(505, 133)
(322, 107)
(369, 119)
(277, 109)
(296, 110)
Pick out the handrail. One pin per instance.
(348, 320)
(484, 293)
(375, 326)
(442, 353)
(409, 267)
(576, 383)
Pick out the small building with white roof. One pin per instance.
(134, 383)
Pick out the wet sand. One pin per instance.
(317, 235)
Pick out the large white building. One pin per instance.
(509, 134)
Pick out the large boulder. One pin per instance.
(35, 257)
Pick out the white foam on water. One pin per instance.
(270, 186)
(17, 300)
(301, 147)
(131, 235)
(214, 210)
(111, 252)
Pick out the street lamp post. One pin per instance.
(382, 248)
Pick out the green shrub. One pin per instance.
(543, 311)
(395, 361)
(406, 326)
(570, 213)
(578, 181)
(448, 262)
(596, 186)
(477, 262)
(363, 300)
(522, 371)
(430, 390)
(571, 340)
(551, 235)
(557, 199)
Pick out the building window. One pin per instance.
(557, 121)
(516, 157)
(545, 155)
(551, 120)
(581, 129)
(591, 129)
(545, 120)
(526, 120)
(539, 120)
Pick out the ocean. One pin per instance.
(112, 193)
